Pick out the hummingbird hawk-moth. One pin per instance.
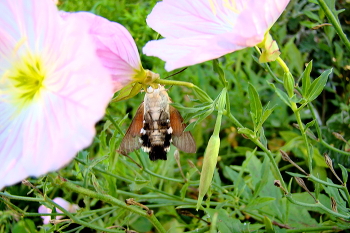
(156, 125)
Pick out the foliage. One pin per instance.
(284, 150)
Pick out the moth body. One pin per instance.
(155, 125)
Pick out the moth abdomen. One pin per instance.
(156, 139)
(157, 152)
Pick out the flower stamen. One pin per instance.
(27, 78)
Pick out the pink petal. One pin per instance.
(193, 50)
(195, 31)
(115, 47)
(46, 134)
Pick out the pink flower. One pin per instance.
(200, 30)
(53, 89)
(61, 202)
(115, 47)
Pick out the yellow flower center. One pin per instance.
(26, 78)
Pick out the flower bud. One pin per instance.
(288, 83)
(209, 164)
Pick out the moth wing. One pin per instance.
(131, 140)
(182, 140)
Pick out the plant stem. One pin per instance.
(174, 82)
(60, 182)
(283, 65)
(261, 146)
(77, 220)
(318, 205)
(315, 229)
(319, 134)
(105, 172)
(332, 18)
(344, 188)
(305, 138)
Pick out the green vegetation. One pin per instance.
(284, 150)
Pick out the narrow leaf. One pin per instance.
(128, 92)
(220, 72)
(305, 79)
(255, 104)
(344, 173)
(283, 96)
(317, 85)
(268, 225)
(296, 174)
(246, 131)
(310, 124)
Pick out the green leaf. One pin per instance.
(295, 174)
(317, 190)
(344, 173)
(247, 132)
(225, 223)
(264, 174)
(255, 105)
(201, 117)
(138, 184)
(310, 124)
(258, 203)
(220, 72)
(24, 226)
(289, 83)
(331, 5)
(312, 15)
(305, 79)
(268, 225)
(201, 95)
(282, 95)
(128, 92)
(96, 184)
(262, 137)
(266, 113)
(317, 86)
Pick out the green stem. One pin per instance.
(77, 220)
(315, 229)
(272, 160)
(174, 82)
(318, 205)
(261, 146)
(60, 182)
(283, 65)
(105, 172)
(304, 135)
(344, 188)
(333, 148)
(319, 134)
(333, 19)
(35, 199)
(109, 117)
(202, 94)
(234, 120)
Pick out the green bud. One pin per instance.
(288, 83)
(209, 164)
(212, 151)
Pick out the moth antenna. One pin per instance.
(176, 73)
(169, 88)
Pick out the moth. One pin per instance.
(155, 126)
